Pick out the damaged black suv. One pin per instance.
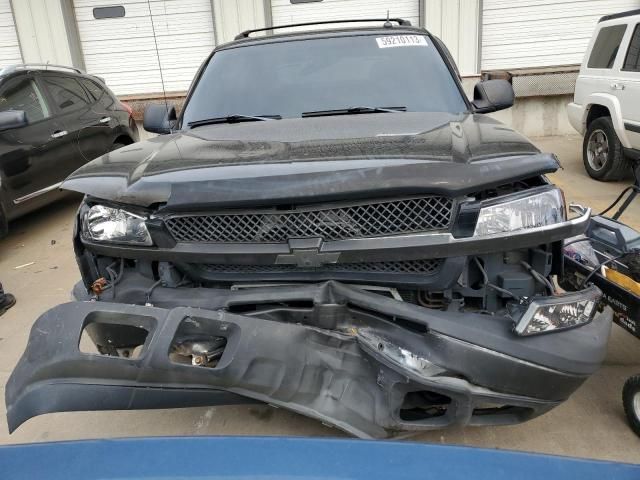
(329, 226)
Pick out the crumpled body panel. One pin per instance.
(356, 360)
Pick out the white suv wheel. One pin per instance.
(602, 152)
(598, 149)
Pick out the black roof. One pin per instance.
(11, 71)
(242, 40)
(388, 23)
(629, 13)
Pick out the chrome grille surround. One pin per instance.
(329, 222)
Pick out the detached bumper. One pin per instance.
(349, 366)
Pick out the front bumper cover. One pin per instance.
(350, 364)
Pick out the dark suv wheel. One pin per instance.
(602, 152)
(631, 402)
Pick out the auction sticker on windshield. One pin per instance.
(402, 41)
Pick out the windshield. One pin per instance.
(294, 77)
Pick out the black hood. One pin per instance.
(323, 158)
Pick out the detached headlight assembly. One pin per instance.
(537, 210)
(114, 225)
(552, 314)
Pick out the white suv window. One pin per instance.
(606, 47)
(632, 60)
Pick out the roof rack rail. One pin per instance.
(40, 66)
(613, 16)
(399, 21)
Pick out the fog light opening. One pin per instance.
(423, 405)
(199, 352)
(102, 334)
(199, 342)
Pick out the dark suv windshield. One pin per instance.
(292, 77)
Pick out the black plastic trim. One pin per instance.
(399, 21)
(445, 277)
(285, 364)
(632, 153)
(614, 16)
(400, 247)
(632, 127)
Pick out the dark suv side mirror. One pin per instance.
(159, 118)
(12, 119)
(492, 95)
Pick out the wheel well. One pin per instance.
(123, 139)
(597, 111)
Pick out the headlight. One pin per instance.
(106, 224)
(538, 210)
(557, 313)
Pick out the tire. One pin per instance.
(632, 262)
(117, 145)
(602, 152)
(631, 402)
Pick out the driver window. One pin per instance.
(24, 94)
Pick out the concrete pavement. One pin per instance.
(591, 424)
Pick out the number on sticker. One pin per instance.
(402, 41)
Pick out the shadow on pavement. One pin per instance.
(36, 223)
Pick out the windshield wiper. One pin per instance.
(234, 119)
(353, 111)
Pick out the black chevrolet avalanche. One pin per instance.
(329, 226)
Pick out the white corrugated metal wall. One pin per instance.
(455, 22)
(236, 16)
(539, 33)
(284, 12)
(9, 46)
(123, 51)
(41, 31)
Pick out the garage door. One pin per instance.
(283, 11)
(9, 47)
(120, 47)
(538, 33)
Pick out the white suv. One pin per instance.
(606, 103)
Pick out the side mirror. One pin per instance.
(158, 118)
(12, 119)
(492, 95)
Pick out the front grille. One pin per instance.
(422, 267)
(381, 218)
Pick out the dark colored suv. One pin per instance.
(53, 120)
(329, 226)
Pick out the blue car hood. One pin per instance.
(288, 458)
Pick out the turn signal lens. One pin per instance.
(552, 314)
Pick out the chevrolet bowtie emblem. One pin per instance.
(306, 253)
